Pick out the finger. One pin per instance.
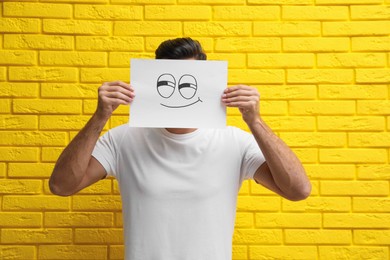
(119, 89)
(116, 101)
(238, 87)
(117, 95)
(119, 83)
(239, 98)
(241, 92)
(240, 104)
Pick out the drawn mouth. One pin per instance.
(184, 105)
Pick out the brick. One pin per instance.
(35, 170)
(372, 237)
(17, 252)
(281, 2)
(151, 43)
(316, 44)
(287, 92)
(18, 58)
(285, 60)
(356, 28)
(370, 12)
(322, 107)
(33, 236)
(348, 252)
(355, 188)
(351, 60)
(322, 13)
(47, 42)
(288, 220)
(116, 252)
(372, 75)
(112, 43)
(143, 1)
(356, 220)
(24, 219)
(96, 203)
(29, 138)
(331, 171)
(355, 123)
(248, 44)
(211, 2)
(73, 58)
(217, 28)
(66, 90)
(235, 60)
(306, 155)
(248, 13)
(100, 75)
(257, 236)
(108, 12)
(47, 106)
(375, 172)
(370, 44)
(20, 25)
(47, 74)
(18, 122)
(177, 12)
(283, 252)
(352, 91)
(3, 74)
(353, 155)
(50, 154)
(5, 106)
(318, 204)
(79, 1)
(82, 219)
(72, 252)
(371, 204)
(3, 170)
(147, 28)
(254, 203)
(100, 187)
(322, 237)
(38, 10)
(89, 107)
(122, 59)
(320, 76)
(303, 139)
(369, 140)
(57, 122)
(242, 76)
(118, 120)
(36, 203)
(16, 89)
(76, 27)
(244, 220)
(99, 236)
(20, 186)
(291, 123)
(119, 219)
(347, 2)
(286, 28)
(27, 154)
(273, 107)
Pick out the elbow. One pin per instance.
(301, 193)
(57, 190)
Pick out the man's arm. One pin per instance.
(76, 168)
(282, 172)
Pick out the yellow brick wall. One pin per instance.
(322, 68)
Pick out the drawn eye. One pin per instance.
(187, 86)
(166, 85)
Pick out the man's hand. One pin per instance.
(246, 99)
(111, 95)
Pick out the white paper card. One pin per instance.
(178, 93)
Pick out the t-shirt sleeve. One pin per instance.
(105, 153)
(252, 156)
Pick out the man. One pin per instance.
(179, 186)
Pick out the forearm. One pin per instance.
(286, 169)
(72, 164)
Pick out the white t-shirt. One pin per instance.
(179, 191)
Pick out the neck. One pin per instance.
(181, 130)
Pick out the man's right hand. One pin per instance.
(111, 95)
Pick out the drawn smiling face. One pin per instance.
(187, 86)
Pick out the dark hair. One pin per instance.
(180, 48)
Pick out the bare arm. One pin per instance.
(76, 168)
(282, 172)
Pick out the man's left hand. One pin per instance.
(246, 99)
